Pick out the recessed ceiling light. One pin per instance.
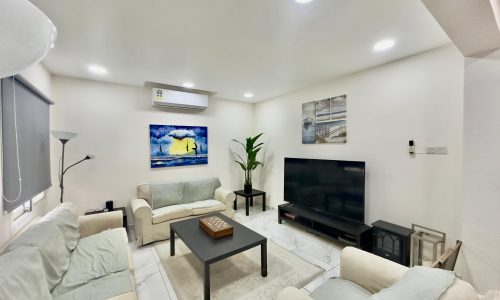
(383, 45)
(98, 70)
(188, 85)
(303, 1)
(248, 95)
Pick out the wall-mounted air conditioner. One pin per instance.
(163, 98)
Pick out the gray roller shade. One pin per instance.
(33, 133)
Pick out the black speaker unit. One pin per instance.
(392, 242)
(109, 205)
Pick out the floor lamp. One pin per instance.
(64, 137)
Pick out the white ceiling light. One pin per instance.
(26, 36)
(248, 95)
(303, 1)
(383, 45)
(188, 85)
(97, 70)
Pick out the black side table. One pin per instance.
(124, 211)
(249, 199)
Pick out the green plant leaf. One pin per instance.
(257, 163)
(241, 165)
(255, 138)
(235, 140)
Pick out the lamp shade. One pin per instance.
(63, 135)
(26, 36)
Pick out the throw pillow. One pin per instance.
(418, 283)
(337, 288)
(165, 194)
(200, 189)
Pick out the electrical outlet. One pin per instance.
(436, 150)
(441, 150)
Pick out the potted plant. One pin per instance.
(251, 163)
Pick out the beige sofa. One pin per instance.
(63, 256)
(194, 198)
(364, 274)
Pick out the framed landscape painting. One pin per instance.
(324, 121)
(172, 145)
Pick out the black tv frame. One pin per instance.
(323, 212)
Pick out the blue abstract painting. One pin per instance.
(172, 145)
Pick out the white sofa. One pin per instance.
(364, 274)
(63, 256)
(192, 198)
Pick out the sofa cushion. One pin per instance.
(206, 206)
(106, 287)
(67, 222)
(418, 283)
(22, 275)
(200, 190)
(94, 257)
(172, 212)
(165, 194)
(46, 237)
(340, 289)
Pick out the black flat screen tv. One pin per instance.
(335, 188)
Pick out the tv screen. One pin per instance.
(334, 187)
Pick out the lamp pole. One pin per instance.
(64, 137)
(61, 178)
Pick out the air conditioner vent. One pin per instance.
(163, 98)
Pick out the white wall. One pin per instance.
(481, 206)
(41, 79)
(419, 98)
(112, 122)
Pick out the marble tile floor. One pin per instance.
(153, 283)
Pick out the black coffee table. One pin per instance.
(209, 250)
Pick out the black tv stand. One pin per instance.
(347, 232)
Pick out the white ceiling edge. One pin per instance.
(473, 26)
(495, 4)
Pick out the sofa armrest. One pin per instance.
(92, 224)
(141, 210)
(369, 270)
(225, 196)
(292, 293)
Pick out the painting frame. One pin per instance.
(177, 145)
(325, 121)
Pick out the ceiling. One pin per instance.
(232, 47)
(474, 26)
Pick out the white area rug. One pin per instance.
(236, 277)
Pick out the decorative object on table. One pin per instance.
(216, 227)
(249, 199)
(251, 163)
(392, 242)
(422, 240)
(324, 121)
(64, 137)
(27, 36)
(172, 145)
(109, 205)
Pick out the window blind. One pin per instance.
(27, 153)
